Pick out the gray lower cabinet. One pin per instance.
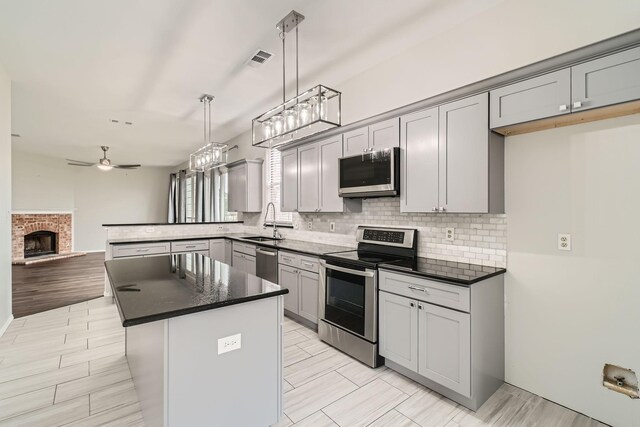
(385, 134)
(217, 250)
(289, 180)
(139, 250)
(288, 278)
(605, 81)
(532, 99)
(244, 262)
(398, 329)
(299, 274)
(444, 347)
(448, 337)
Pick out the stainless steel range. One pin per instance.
(348, 303)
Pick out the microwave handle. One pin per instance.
(347, 270)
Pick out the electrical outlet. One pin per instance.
(564, 242)
(450, 234)
(219, 227)
(310, 225)
(230, 343)
(332, 226)
(150, 229)
(296, 226)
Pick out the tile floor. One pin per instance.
(67, 367)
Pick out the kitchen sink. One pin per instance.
(261, 238)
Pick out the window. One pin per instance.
(273, 186)
(190, 200)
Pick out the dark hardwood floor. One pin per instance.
(44, 286)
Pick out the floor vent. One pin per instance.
(259, 58)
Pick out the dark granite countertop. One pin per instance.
(459, 273)
(171, 223)
(161, 287)
(300, 246)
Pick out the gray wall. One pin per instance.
(94, 197)
(569, 313)
(5, 198)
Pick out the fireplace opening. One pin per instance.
(40, 243)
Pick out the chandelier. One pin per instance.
(307, 113)
(212, 154)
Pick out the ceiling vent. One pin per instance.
(259, 58)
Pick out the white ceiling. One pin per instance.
(76, 64)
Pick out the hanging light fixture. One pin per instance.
(212, 154)
(312, 111)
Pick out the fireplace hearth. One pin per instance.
(40, 243)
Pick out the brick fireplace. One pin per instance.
(58, 226)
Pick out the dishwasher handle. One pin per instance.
(268, 253)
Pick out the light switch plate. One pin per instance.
(296, 226)
(230, 343)
(564, 242)
(450, 234)
(309, 225)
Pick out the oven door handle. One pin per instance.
(347, 270)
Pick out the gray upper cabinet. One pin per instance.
(378, 136)
(606, 81)
(465, 142)
(289, 180)
(356, 141)
(384, 134)
(444, 337)
(398, 325)
(308, 179)
(537, 98)
(419, 161)
(245, 185)
(329, 151)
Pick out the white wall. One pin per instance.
(95, 197)
(569, 313)
(5, 199)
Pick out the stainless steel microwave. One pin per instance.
(370, 174)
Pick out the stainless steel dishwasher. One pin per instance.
(267, 264)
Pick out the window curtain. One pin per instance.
(173, 199)
(182, 196)
(199, 197)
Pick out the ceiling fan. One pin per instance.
(103, 163)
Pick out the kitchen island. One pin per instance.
(203, 341)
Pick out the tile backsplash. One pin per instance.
(478, 238)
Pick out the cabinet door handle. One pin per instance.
(308, 264)
(563, 107)
(190, 246)
(416, 288)
(412, 304)
(442, 209)
(143, 250)
(434, 209)
(420, 306)
(577, 104)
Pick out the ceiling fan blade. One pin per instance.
(80, 162)
(126, 166)
(87, 165)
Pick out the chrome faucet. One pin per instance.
(276, 235)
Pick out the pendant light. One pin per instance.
(310, 112)
(212, 154)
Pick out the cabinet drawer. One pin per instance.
(309, 263)
(244, 248)
(140, 249)
(190, 246)
(456, 297)
(288, 258)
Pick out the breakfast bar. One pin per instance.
(202, 340)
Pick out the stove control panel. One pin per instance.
(383, 236)
(399, 237)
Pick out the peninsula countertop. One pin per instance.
(161, 287)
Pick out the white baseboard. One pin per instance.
(6, 325)
(93, 252)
